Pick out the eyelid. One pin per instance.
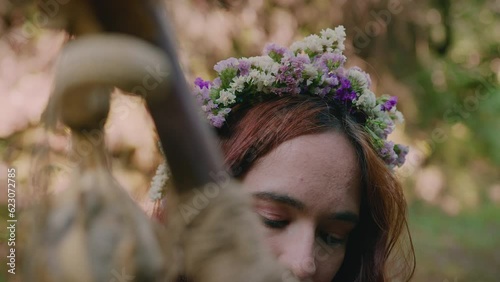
(270, 209)
(339, 231)
(332, 240)
(275, 224)
(272, 214)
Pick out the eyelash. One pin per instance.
(331, 240)
(328, 239)
(274, 224)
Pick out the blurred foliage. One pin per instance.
(459, 83)
(450, 248)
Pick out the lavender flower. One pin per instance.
(216, 83)
(389, 104)
(290, 75)
(209, 107)
(244, 66)
(202, 90)
(324, 91)
(344, 93)
(330, 61)
(201, 83)
(276, 52)
(389, 127)
(225, 64)
(216, 120)
(388, 154)
(401, 151)
(330, 79)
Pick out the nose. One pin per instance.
(297, 253)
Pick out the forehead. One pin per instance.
(321, 170)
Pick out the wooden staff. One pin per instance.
(189, 146)
(116, 41)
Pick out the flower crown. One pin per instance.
(313, 66)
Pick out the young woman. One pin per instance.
(308, 140)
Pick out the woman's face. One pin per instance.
(307, 193)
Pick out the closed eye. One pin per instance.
(331, 240)
(274, 224)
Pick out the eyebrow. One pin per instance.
(345, 216)
(294, 203)
(280, 198)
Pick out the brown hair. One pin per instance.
(253, 131)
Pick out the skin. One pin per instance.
(307, 193)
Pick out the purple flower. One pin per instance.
(216, 83)
(388, 154)
(286, 77)
(344, 93)
(389, 128)
(209, 106)
(389, 104)
(202, 83)
(301, 59)
(204, 94)
(330, 61)
(323, 91)
(244, 67)
(401, 152)
(344, 82)
(202, 90)
(224, 64)
(290, 75)
(330, 79)
(216, 120)
(273, 50)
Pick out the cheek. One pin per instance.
(274, 241)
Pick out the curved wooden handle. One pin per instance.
(90, 66)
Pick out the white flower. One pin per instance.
(226, 98)
(377, 111)
(327, 42)
(265, 63)
(273, 68)
(310, 70)
(360, 76)
(252, 76)
(262, 80)
(386, 119)
(238, 84)
(267, 79)
(159, 182)
(335, 35)
(313, 43)
(399, 117)
(296, 46)
(367, 100)
(341, 46)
